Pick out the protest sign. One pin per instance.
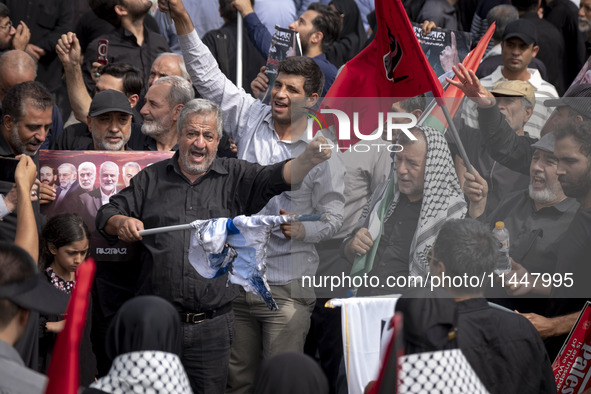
(572, 366)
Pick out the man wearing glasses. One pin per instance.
(12, 37)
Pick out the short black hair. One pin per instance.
(307, 68)
(4, 11)
(105, 9)
(228, 12)
(502, 15)
(580, 131)
(328, 22)
(133, 78)
(466, 246)
(16, 265)
(525, 5)
(13, 103)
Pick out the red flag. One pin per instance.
(393, 66)
(453, 96)
(63, 375)
(387, 381)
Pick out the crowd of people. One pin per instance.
(121, 77)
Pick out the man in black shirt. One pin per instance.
(426, 193)
(573, 151)
(27, 109)
(501, 346)
(131, 42)
(192, 185)
(109, 126)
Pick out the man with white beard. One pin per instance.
(87, 175)
(130, 169)
(164, 101)
(585, 23)
(66, 177)
(92, 201)
(536, 217)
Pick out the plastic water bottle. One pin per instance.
(504, 263)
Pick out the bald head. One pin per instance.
(168, 64)
(16, 66)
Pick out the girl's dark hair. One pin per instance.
(61, 230)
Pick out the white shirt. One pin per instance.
(543, 91)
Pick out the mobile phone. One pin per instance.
(7, 169)
(101, 52)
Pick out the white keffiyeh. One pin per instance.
(146, 372)
(442, 200)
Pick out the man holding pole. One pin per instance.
(422, 193)
(268, 134)
(192, 185)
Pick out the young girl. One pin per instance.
(65, 241)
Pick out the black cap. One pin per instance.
(35, 294)
(109, 101)
(546, 143)
(577, 97)
(523, 29)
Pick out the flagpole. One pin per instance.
(179, 227)
(456, 137)
(239, 41)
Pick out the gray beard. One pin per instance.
(545, 196)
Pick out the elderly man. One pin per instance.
(67, 176)
(268, 134)
(194, 184)
(572, 149)
(536, 218)
(130, 169)
(87, 176)
(164, 102)
(585, 24)
(109, 125)
(66, 193)
(515, 102)
(92, 201)
(168, 64)
(518, 48)
(426, 192)
(503, 144)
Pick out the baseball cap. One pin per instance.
(523, 29)
(577, 97)
(33, 292)
(546, 143)
(515, 89)
(109, 101)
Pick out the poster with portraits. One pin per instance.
(83, 181)
(572, 366)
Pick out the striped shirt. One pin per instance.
(543, 91)
(250, 124)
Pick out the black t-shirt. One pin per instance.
(392, 256)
